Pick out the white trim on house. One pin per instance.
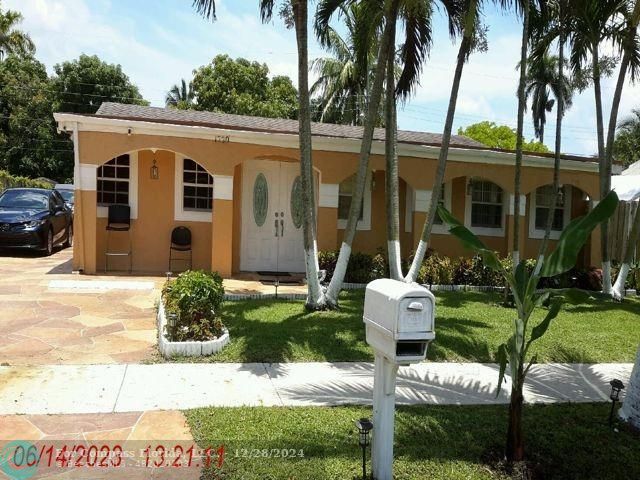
(179, 213)
(103, 212)
(512, 204)
(408, 209)
(422, 201)
(88, 177)
(222, 187)
(486, 231)
(365, 223)
(69, 121)
(328, 195)
(566, 215)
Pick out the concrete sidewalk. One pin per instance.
(74, 389)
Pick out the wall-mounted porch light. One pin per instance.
(470, 186)
(155, 172)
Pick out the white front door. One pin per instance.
(271, 222)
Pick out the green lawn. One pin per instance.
(432, 442)
(469, 327)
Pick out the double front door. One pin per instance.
(271, 217)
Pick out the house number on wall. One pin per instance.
(221, 139)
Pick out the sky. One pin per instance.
(159, 42)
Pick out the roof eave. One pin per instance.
(68, 122)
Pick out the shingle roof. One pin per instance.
(261, 124)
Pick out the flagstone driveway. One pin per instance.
(43, 325)
(82, 435)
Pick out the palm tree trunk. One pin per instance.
(463, 54)
(556, 161)
(630, 247)
(605, 180)
(520, 132)
(337, 280)
(618, 289)
(315, 298)
(392, 200)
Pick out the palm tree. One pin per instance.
(593, 22)
(544, 86)
(181, 96)
(345, 77)
(469, 25)
(326, 10)
(13, 41)
(625, 146)
(630, 63)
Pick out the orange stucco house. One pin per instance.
(232, 180)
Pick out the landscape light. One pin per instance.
(616, 387)
(364, 427)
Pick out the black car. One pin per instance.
(34, 218)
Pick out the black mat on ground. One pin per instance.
(281, 282)
(273, 274)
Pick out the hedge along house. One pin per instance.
(234, 182)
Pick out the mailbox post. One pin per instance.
(399, 323)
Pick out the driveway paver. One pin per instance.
(43, 324)
(132, 431)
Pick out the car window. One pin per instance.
(58, 199)
(24, 199)
(67, 195)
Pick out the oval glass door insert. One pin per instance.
(296, 202)
(260, 199)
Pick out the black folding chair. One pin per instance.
(118, 220)
(180, 242)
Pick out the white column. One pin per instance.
(328, 195)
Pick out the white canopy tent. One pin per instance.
(627, 187)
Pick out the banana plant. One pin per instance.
(523, 283)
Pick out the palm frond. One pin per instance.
(416, 16)
(206, 8)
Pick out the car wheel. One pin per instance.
(69, 242)
(48, 248)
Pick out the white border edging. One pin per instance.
(189, 349)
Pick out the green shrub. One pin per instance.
(362, 267)
(327, 260)
(12, 181)
(195, 298)
(436, 270)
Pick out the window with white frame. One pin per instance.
(486, 204)
(541, 201)
(197, 187)
(113, 181)
(544, 200)
(345, 194)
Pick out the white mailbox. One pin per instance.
(399, 319)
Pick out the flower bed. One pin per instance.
(188, 315)
(187, 348)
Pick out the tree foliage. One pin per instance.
(13, 40)
(626, 148)
(29, 144)
(499, 136)
(181, 96)
(244, 88)
(80, 86)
